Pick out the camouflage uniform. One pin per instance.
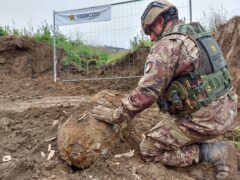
(174, 141)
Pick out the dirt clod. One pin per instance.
(76, 144)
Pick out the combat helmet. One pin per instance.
(154, 10)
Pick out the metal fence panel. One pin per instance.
(114, 35)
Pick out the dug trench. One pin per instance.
(32, 107)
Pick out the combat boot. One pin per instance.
(223, 156)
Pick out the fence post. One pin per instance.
(54, 50)
(190, 10)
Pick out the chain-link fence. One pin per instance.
(105, 42)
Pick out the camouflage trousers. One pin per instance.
(175, 141)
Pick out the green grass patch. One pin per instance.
(116, 57)
(138, 42)
(236, 137)
(3, 32)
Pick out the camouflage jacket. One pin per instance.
(173, 56)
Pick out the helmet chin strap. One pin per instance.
(169, 16)
(165, 22)
(163, 29)
(164, 25)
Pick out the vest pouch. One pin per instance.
(177, 99)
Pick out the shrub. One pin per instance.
(138, 42)
(3, 31)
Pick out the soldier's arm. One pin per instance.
(173, 56)
(159, 70)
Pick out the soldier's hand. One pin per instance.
(105, 114)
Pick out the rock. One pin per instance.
(49, 165)
(5, 122)
(43, 155)
(82, 139)
(2, 60)
(128, 154)
(51, 154)
(6, 158)
(55, 122)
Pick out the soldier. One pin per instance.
(186, 75)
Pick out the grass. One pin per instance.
(3, 32)
(139, 42)
(214, 18)
(77, 53)
(236, 136)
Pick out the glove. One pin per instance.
(106, 115)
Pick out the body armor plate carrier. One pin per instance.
(207, 83)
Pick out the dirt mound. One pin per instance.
(228, 37)
(24, 57)
(229, 40)
(131, 65)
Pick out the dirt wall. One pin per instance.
(22, 57)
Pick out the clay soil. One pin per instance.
(32, 106)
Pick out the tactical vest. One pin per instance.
(205, 84)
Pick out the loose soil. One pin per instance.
(32, 107)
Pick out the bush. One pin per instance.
(44, 33)
(138, 42)
(3, 32)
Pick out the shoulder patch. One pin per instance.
(148, 67)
